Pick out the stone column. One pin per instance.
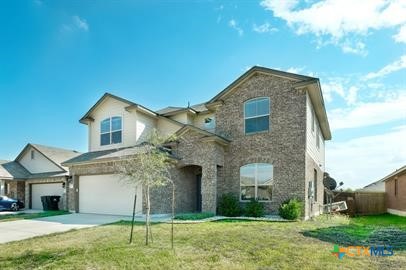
(209, 188)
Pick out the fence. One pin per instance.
(363, 203)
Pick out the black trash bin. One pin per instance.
(50, 202)
(45, 204)
(53, 202)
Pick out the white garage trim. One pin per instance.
(107, 194)
(46, 189)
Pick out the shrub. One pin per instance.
(229, 206)
(254, 209)
(194, 216)
(291, 209)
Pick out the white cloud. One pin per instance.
(401, 36)
(369, 113)
(354, 47)
(295, 69)
(340, 20)
(263, 28)
(80, 23)
(360, 161)
(390, 68)
(350, 95)
(234, 24)
(76, 23)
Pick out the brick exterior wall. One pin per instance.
(283, 146)
(398, 201)
(15, 190)
(64, 199)
(209, 156)
(161, 198)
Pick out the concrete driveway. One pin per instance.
(28, 228)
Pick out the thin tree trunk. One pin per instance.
(146, 217)
(132, 222)
(149, 217)
(173, 211)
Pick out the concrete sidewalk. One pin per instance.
(28, 228)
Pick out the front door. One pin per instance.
(199, 193)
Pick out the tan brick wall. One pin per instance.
(209, 156)
(15, 190)
(283, 146)
(397, 202)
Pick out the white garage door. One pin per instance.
(107, 194)
(51, 189)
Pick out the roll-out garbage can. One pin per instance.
(50, 202)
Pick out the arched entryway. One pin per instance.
(191, 189)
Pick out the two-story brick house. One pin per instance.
(262, 137)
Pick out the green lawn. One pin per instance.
(383, 229)
(22, 215)
(194, 216)
(214, 245)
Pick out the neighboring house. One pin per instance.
(378, 186)
(37, 171)
(395, 187)
(260, 138)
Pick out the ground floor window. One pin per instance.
(256, 181)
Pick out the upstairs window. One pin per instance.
(32, 154)
(256, 181)
(111, 130)
(209, 123)
(256, 115)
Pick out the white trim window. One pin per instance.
(256, 115)
(318, 138)
(256, 181)
(111, 130)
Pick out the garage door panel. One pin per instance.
(48, 189)
(107, 194)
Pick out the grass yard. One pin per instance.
(19, 216)
(228, 244)
(383, 229)
(194, 216)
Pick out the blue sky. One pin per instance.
(58, 57)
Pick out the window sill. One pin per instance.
(257, 132)
(111, 144)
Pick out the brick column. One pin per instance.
(75, 193)
(209, 188)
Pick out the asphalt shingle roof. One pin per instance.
(198, 108)
(57, 155)
(13, 170)
(107, 154)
